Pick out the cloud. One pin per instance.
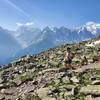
(25, 24)
(19, 24)
(29, 23)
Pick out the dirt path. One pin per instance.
(89, 66)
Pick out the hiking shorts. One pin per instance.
(68, 61)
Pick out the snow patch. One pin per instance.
(93, 44)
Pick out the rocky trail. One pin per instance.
(89, 66)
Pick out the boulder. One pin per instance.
(43, 92)
(57, 81)
(74, 79)
(2, 98)
(89, 97)
(96, 82)
(4, 86)
(6, 91)
(66, 79)
(17, 82)
(97, 98)
(91, 90)
(67, 94)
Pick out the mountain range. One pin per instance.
(29, 40)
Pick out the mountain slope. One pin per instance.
(42, 76)
(8, 46)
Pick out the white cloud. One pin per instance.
(29, 23)
(25, 24)
(19, 24)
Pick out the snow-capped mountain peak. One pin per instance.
(90, 23)
(92, 27)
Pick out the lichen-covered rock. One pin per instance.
(43, 92)
(6, 91)
(91, 89)
(74, 79)
(66, 79)
(49, 98)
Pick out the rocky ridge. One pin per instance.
(42, 76)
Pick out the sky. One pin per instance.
(53, 13)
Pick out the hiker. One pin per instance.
(68, 58)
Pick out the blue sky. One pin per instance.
(69, 13)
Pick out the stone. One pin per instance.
(61, 95)
(3, 86)
(26, 97)
(53, 63)
(74, 79)
(6, 91)
(2, 91)
(17, 82)
(67, 94)
(43, 92)
(1, 81)
(66, 79)
(57, 81)
(90, 61)
(17, 98)
(91, 89)
(89, 97)
(97, 98)
(68, 87)
(49, 98)
(31, 66)
(59, 75)
(2, 98)
(60, 52)
(96, 82)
